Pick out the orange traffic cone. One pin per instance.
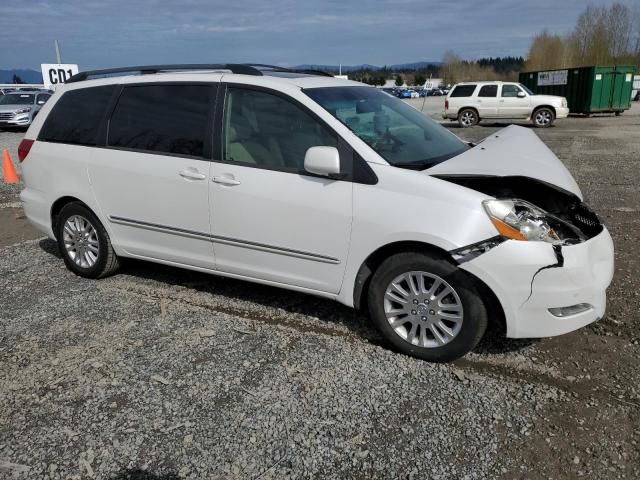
(8, 170)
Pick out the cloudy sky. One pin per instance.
(109, 33)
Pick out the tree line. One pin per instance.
(601, 36)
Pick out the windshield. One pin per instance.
(526, 89)
(15, 99)
(400, 134)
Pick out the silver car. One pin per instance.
(18, 109)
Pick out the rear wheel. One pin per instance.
(467, 117)
(427, 307)
(543, 117)
(84, 242)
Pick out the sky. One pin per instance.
(112, 33)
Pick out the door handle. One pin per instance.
(225, 180)
(192, 174)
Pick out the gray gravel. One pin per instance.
(160, 373)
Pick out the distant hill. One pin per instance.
(366, 66)
(28, 76)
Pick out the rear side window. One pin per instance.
(488, 91)
(162, 118)
(76, 116)
(463, 91)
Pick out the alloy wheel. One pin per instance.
(423, 309)
(543, 117)
(81, 241)
(468, 118)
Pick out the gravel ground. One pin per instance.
(160, 373)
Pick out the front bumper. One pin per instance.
(528, 281)
(16, 121)
(562, 112)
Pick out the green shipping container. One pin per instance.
(587, 89)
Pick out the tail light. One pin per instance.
(446, 104)
(23, 149)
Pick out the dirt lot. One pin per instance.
(158, 373)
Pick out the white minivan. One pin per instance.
(320, 185)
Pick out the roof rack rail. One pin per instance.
(292, 70)
(239, 68)
(150, 69)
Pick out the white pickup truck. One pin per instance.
(471, 102)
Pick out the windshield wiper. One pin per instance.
(421, 165)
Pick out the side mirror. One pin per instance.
(323, 161)
(521, 95)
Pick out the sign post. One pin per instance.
(56, 73)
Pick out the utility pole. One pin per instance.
(55, 43)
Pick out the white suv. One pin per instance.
(474, 101)
(319, 185)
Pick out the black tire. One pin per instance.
(475, 313)
(106, 263)
(543, 117)
(468, 117)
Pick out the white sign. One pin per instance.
(555, 77)
(56, 73)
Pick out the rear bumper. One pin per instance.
(526, 278)
(37, 210)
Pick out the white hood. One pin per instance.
(512, 151)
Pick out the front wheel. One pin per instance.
(426, 307)
(84, 242)
(543, 117)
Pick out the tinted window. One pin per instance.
(463, 91)
(162, 118)
(76, 116)
(510, 91)
(400, 134)
(270, 131)
(43, 97)
(488, 91)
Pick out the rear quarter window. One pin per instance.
(463, 91)
(76, 116)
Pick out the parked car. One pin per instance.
(408, 93)
(436, 92)
(474, 101)
(323, 186)
(18, 109)
(422, 92)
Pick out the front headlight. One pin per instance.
(520, 220)
(564, 102)
(24, 110)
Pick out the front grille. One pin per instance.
(585, 219)
(6, 115)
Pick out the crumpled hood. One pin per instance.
(512, 151)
